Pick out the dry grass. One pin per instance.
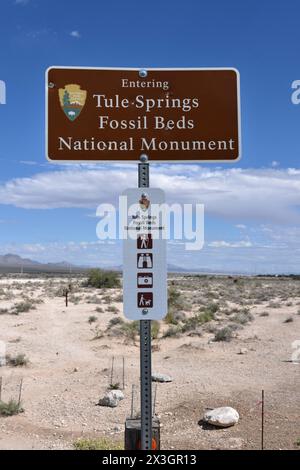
(97, 444)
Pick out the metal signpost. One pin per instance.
(144, 277)
(145, 348)
(167, 115)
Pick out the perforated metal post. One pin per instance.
(145, 347)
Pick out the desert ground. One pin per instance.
(224, 340)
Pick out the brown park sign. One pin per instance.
(184, 115)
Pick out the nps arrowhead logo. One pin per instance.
(72, 100)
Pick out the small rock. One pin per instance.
(117, 429)
(76, 369)
(243, 351)
(223, 417)
(161, 378)
(111, 398)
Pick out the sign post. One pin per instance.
(145, 346)
(126, 115)
(144, 278)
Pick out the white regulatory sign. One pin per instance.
(144, 254)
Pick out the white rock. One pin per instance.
(111, 398)
(223, 417)
(243, 351)
(161, 378)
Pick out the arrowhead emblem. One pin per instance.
(72, 100)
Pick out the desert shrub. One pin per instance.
(75, 299)
(211, 328)
(175, 303)
(173, 330)
(114, 386)
(93, 299)
(118, 298)
(115, 321)
(174, 298)
(227, 312)
(195, 321)
(22, 307)
(98, 333)
(99, 279)
(99, 310)
(170, 318)
(61, 291)
(264, 314)
(224, 334)
(235, 310)
(112, 308)
(107, 299)
(8, 295)
(155, 327)
(234, 326)
(274, 305)
(288, 320)
(20, 360)
(92, 319)
(211, 308)
(179, 316)
(205, 316)
(131, 329)
(3, 311)
(97, 444)
(243, 317)
(16, 340)
(11, 408)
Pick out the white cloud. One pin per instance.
(228, 257)
(21, 2)
(38, 34)
(275, 163)
(224, 244)
(241, 226)
(75, 34)
(264, 195)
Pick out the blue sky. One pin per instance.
(251, 207)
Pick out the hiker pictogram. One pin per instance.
(144, 242)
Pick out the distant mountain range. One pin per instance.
(16, 260)
(15, 263)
